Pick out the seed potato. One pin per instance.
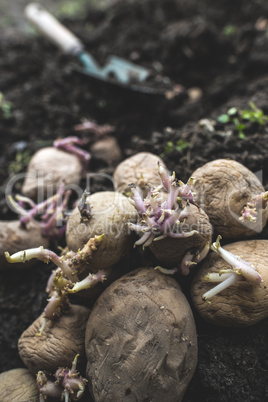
(141, 340)
(110, 213)
(138, 169)
(48, 168)
(62, 339)
(223, 187)
(18, 385)
(242, 304)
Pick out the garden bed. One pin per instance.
(217, 52)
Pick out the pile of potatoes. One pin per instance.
(136, 339)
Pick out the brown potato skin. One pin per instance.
(107, 149)
(13, 239)
(130, 170)
(239, 305)
(170, 251)
(223, 187)
(141, 340)
(61, 340)
(110, 213)
(18, 385)
(47, 169)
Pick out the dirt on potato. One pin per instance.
(216, 52)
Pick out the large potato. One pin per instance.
(241, 304)
(223, 187)
(110, 213)
(141, 340)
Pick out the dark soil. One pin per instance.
(219, 47)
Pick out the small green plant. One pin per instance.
(5, 107)
(20, 162)
(240, 117)
(229, 30)
(179, 145)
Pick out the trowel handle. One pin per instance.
(52, 29)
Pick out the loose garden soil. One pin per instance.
(218, 53)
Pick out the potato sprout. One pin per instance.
(50, 213)
(68, 386)
(168, 212)
(230, 288)
(239, 270)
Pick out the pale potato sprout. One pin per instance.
(64, 280)
(240, 269)
(231, 287)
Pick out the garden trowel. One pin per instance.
(116, 71)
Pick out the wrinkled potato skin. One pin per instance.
(18, 385)
(61, 340)
(170, 251)
(141, 340)
(13, 239)
(47, 170)
(223, 187)
(242, 304)
(110, 213)
(142, 164)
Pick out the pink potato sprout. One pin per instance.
(52, 212)
(68, 385)
(68, 145)
(159, 214)
(257, 203)
(169, 212)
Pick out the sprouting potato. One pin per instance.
(233, 198)
(234, 293)
(139, 169)
(108, 216)
(62, 339)
(48, 168)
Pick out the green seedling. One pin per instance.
(5, 107)
(20, 162)
(229, 30)
(240, 117)
(179, 145)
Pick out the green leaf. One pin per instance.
(246, 114)
(232, 111)
(241, 135)
(169, 147)
(180, 145)
(223, 118)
